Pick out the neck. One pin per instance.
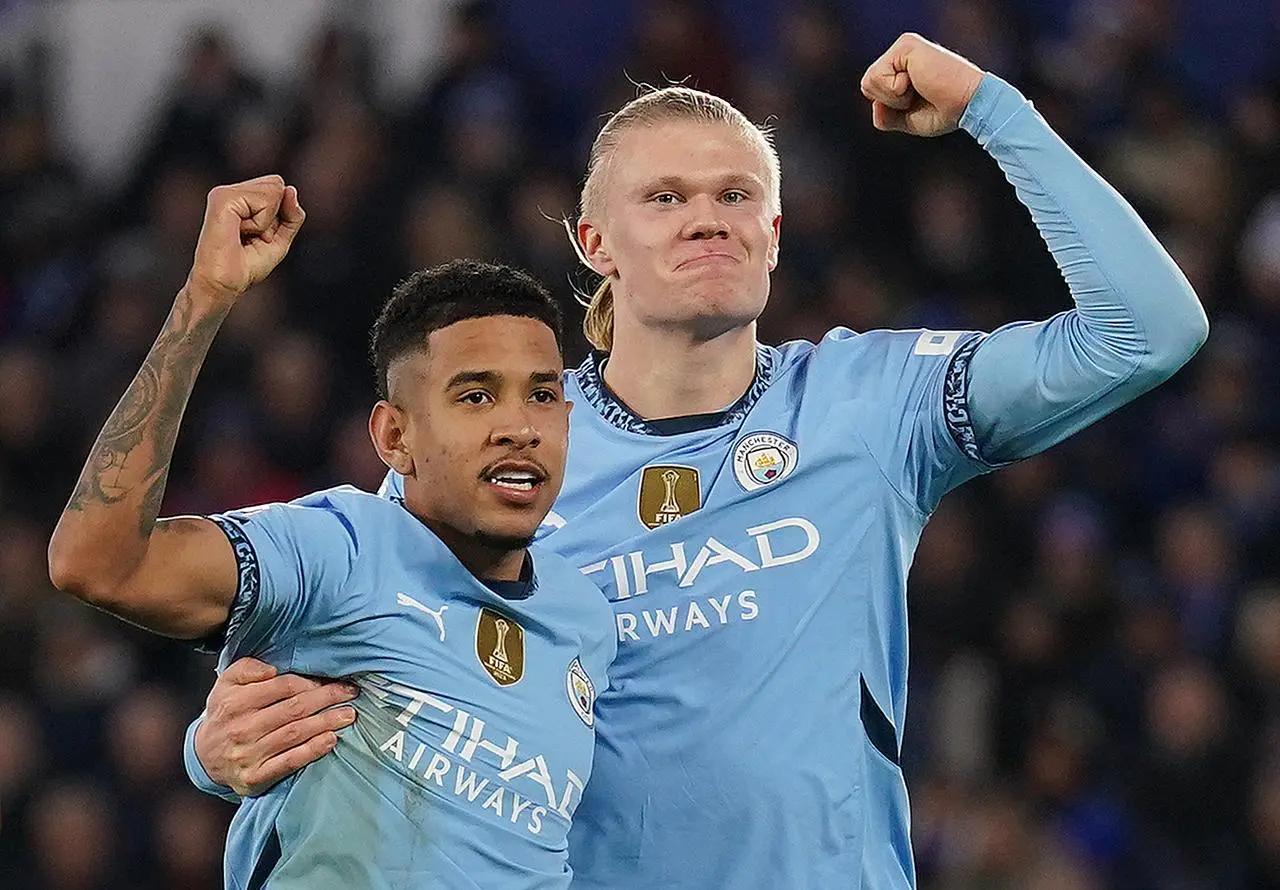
(487, 559)
(659, 374)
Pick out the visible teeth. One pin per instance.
(516, 480)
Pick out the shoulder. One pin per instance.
(556, 571)
(551, 565)
(881, 342)
(895, 356)
(339, 498)
(344, 509)
(583, 605)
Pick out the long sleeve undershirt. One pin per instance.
(1136, 318)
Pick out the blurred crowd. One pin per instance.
(1095, 697)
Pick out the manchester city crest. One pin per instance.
(761, 459)
(582, 692)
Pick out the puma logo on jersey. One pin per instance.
(437, 615)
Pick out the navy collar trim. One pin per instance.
(521, 589)
(590, 377)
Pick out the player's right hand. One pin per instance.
(259, 728)
(248, 228)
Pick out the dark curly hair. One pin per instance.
(439, 296)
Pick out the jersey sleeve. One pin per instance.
(1136, 319)
(908, 393)
(293, 562)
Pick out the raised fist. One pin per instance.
(920, 88)
(248, 228)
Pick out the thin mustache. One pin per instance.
(541, 468)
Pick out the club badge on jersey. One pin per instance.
(582, 692)
(500, 647)
(667, 492)
(761, 459)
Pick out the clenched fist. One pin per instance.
(920, 88)
(248, 228)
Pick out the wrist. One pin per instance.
(195, 768)
(971, 88)
(208, 298)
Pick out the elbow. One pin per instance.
(73, 573)
(1201, 329)
(63, 566)
(1195, 330)
(1181, 335)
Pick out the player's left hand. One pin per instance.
(920, 88)
(260, 727)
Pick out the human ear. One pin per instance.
(774, 242)
(592, 247)
(387, 428)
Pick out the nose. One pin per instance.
(516, 429)
(704, 220)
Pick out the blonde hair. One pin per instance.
(674, 103)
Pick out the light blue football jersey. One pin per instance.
(756, 561)
(475, 729)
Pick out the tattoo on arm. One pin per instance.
(122, 433)
(134, 449)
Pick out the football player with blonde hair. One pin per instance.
(751, 511)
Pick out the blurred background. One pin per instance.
(1095, 696)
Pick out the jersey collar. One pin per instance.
(590, 377)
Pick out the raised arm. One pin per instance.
(178, 576)
(1136, 319)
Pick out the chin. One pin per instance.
(716, 320)
(506, 539)
(728, 301)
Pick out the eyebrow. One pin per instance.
(493, 378)
(677, 183)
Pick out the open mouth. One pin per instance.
(515, 481)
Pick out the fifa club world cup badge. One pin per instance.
(666, 493)
(761, 459)
(500, 647)
(582, 692)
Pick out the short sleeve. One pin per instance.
(293, 562)
(910, 391)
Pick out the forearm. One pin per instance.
(1136, 318)
(104, 532)
(1124, 284)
